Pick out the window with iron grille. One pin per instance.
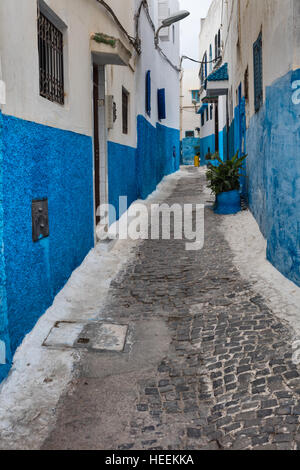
(50, 44)
(258, 73)
(125, 108)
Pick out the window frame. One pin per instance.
(51, 55)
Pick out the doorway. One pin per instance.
(96, 141)
(100, 139)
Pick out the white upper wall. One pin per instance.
(162, 74)
(20, 62)
(20, 65)
(209, 27)
(243, 22)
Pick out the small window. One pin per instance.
(190, 134)
(173, 34)
(219, 43)
(51, 60)
(202, 120)
(148, 93)
(211, 111)
(216, 47)
(258, 73)
(161, 102)
(246, 84)
(205, 64)
(125, 109)
(207, 115)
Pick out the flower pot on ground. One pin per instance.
(224, 181)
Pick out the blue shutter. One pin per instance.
(148, 93)
(161, 98)
(258, 73)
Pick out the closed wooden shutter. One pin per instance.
(161, 101)
(258, 73)
(148, 93)
(163, 13)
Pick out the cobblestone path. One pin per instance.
(219, 373)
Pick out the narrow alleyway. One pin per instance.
(206, 363)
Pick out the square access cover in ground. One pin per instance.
(93, 336)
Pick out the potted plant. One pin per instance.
(224, 181)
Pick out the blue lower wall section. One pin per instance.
(158, 154)
(190, 147)
(42, 162)
(207, 144)
(135, 173)
(273, 166)
(122, 170)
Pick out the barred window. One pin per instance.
(50, 44)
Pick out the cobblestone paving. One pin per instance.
(228, 381)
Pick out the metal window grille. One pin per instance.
(258, 73)
(125, 102)
(50, 43)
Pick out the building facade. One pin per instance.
(258, 83)
(189, 126)
(89, 112)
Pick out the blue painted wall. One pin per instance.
(155, 154)
(135, 173)
(273, 166)
(190, 147)
(122, 173)
(43, 162)
(207, 143)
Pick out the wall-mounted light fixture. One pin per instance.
(180, 15)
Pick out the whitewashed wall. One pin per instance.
(209, 27)
(19, 50)
(162, 74)
(243, 22)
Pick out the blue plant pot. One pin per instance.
(228, 203)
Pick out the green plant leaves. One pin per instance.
(226, 176)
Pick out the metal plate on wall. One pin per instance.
(40, 220)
